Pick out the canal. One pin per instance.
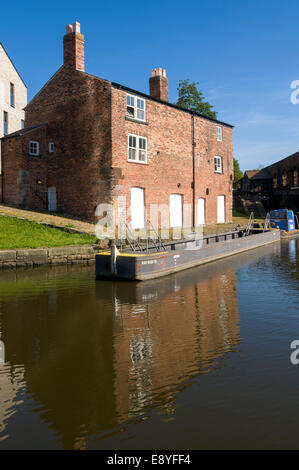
(197, 360)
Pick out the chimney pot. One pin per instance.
(76, 27)
(68, 29)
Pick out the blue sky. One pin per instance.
(244, 54)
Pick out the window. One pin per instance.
(136, 107)
(218, 164)
(51, 147)
(33, 148)
(295, 177)
(284, 178)
(12, 95)
(275, 181)
(137, 149)
(22, 123)
(219, 133)
(5, 123)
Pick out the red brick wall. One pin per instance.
(288, 165)
(76, 108)
(169, 134)
(86, 120)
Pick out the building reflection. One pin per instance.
(172, 338)
(97, 354)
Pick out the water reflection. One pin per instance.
(91, 357)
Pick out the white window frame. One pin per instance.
(51, 147)
(219, 133)
(34, 143)
(218, 165)
(135, 107)
(138, 149)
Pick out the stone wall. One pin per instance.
(28, 258)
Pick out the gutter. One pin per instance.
(166, 103)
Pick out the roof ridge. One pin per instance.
(13, 64)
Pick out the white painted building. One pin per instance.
(13, 96)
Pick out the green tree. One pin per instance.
(190, 97)
(238, 174)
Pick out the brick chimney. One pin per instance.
(73, 47)
(159, 84)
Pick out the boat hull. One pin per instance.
(140, 267)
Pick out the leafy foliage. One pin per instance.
(190, 97)
(238, 174)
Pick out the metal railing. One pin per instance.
(250, 224)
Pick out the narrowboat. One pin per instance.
(286, 221)
(141, 263)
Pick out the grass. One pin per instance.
(17, 233)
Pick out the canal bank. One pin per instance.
(28, 258)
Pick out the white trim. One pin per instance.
(219, 133)
(134, 105)
(36, 151)
(137, 148)
(218, 167)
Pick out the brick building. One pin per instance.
(89, 141)
(277, 184)
(13, 99)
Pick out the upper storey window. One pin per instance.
(137, 148)
(218, 165)
(219, 133)
(135, 107)
(12, 95)
(33, 148)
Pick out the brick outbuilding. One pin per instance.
(89, 141)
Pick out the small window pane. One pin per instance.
(140, 104)
(142, 155)
(130, 111)
(140, 115)
(132, 154)
(130, 100)
(142, 144)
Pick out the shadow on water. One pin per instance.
(87, 359)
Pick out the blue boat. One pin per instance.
(284, 219)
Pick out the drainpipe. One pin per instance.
(193, 173)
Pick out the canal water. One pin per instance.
(196, 360)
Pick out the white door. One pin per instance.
(176, 210)
(52, 199)
(220, 209)
(201, 211)
(137, 208)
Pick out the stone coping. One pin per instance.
(32, 257)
